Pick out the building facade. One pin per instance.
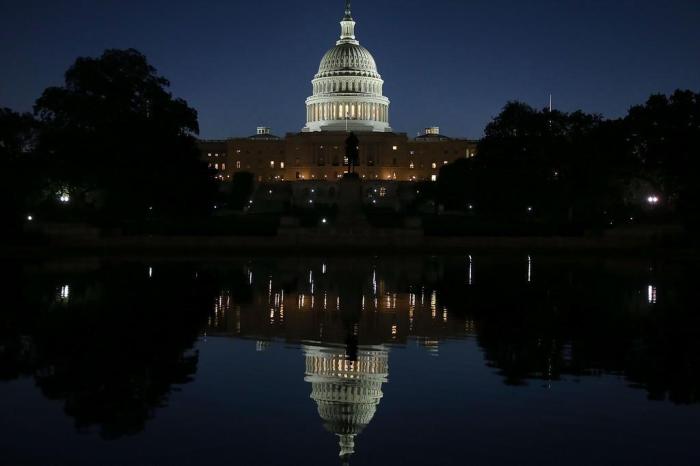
(347, 97)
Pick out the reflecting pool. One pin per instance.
(485, 359)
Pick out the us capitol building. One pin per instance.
(347, 97)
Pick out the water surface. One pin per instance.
(467, 359)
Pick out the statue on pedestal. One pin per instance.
(352, 152)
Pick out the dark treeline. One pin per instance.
(115, 142)
(577, 170)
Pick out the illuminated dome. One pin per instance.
(346, 392)
(347, 90)
(348, 59)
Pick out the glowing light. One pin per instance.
(529, 269)
(30, 218)
(470, 281)
(653, 200)
(324, 221)
(651, 294)
(150, 272)
(64, 293)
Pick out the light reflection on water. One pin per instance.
(118, 349)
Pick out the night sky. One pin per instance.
(452, 63)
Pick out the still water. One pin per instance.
(485, 359)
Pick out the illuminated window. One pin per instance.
(445, 162)
(281, 164)
(238, 164)
(216, 166)
(434, 165)
(382, 192)
(411, 165)
(395, 148)
(433, 178)
(209, 154)
(272, 164)
(223, 166)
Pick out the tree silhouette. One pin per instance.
(121, 141)
(664, 135)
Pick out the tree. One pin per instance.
(664, 136)
(116, 135)
(564, 168)
(20, 183)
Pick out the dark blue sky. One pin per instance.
(452, 63)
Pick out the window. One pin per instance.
(434, 165)
(395, 148)
(411, 165)
(216, 166)
(272, 164)
(433, 178)
(445, 162)
(282, 165)
(382, 192)
(395, 161)
(238, 164)
(223, 166)
(210, 154)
